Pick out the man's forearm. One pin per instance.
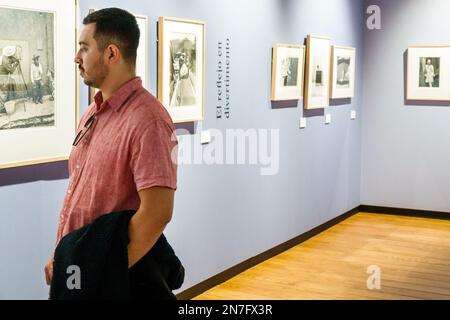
(144, 230)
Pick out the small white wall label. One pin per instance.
(205, 136)
(302, 123)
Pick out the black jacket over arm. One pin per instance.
(100, 250)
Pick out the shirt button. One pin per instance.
(78, 166)
(69, 191)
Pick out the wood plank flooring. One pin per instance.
(413, 255)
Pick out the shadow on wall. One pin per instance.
(47, 171)
(419, 103)
(187, 127)
(340, 102)
(284, 104)
(308, 113)
(287, 10)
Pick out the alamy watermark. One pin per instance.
(374, 280)
(234, 147)
(74, 280)
(374, 20)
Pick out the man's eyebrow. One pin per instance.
(82, 43)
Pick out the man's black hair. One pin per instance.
(116, 26)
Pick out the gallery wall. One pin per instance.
(405, 147)
(224, 214)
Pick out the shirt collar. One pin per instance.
(119, 96)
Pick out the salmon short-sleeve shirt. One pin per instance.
(130, 146)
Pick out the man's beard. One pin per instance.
(101, 73)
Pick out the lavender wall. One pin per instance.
(405, 149)
(224, 214)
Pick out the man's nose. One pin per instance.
(77, 58)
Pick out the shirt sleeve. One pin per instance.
(154, 157)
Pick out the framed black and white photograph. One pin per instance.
(287, 71)
(38, 101)
(142, 51)
(181, 61)
(343, 72)
(428, 73)
(317, 79)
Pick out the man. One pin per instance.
(3, 99)
(285, 71)
(36, 79)
(122, 157)
(8, 66)
(51, 83)
(429, 73)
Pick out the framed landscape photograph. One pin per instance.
(142, 55)
(343, 72)
(317, 80)
(38, 81)
(181, 68)
(287, 71)
(428, 73)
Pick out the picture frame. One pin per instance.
(142, 52)
(317, 78)
(39, 94)
(343, 72)
(181, 68)
(142, 55)
(91, 90)
(287, 71)
(428, 73)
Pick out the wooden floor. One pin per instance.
(413, 255)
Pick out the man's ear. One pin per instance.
(112, 53)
